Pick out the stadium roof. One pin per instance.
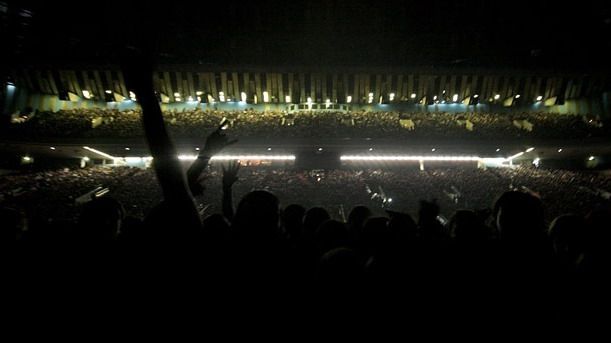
(533, 34)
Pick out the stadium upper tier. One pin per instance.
(249, 123)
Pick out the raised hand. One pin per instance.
(230, 173)
(216, 142)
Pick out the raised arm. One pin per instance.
(230, 176)
(170, 174)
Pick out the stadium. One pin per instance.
(358, 137)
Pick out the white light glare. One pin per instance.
(243, 96)
(530, 149)
(86, 94)
(265, 96)
(455, 98)
(408, 158)
(497, 96)
(539, 98)
(413, 96)
(391, 96)
(591, 158)
(287, 98)
(349, 99)
(241, 157)
(222, 96)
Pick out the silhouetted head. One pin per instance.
(402, 226)
(12, 221)
(331, 234)
(467, 227)
(567, 234)
(257, 216)
(375, 234)
(339, 265)
(356, 219)
(292, 220)
(519, 217)
(312, 220)
(101, 219)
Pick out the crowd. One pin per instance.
(331, 227)
(333, 214)
(356, 124)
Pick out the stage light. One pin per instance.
(128, 149)
(539, 98)
(370, 149)
(455, 98)
(26, 159)
(287, 99)
(537, 162)
(497, 96)
(433, 150)
(86, 94)
(409, 158)
(319, 149)
(221, 96)
(86, 159)
(309, 100)
(197, 149)
(435, 97)
(371, 95)
(515, 156)
(498, 149)
(413, 96)
(99, 152)
(190, 99)
(349, 99)
(199, 99)
(560, 150)
(391, 97)
(132, 95)
(177, 94)
(591, 158)
(530, 149)
(265, 96)
(327, 103)
(243, 96)
(178, 99)
(199, 93)
(269, 149)
(517, 96)
(52, 148)
(476, 96)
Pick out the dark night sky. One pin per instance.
(530, 34)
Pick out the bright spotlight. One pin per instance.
(86, 94)
(190, 98)
(413, 96)
(370, 149)
(265, 96)
(128, 149)
(177, 94)
(319, 149)
(455, 97)
(476, 96)
(52, 148)
(243, 96)
(537, 162)
(518, 96)
(349, 99)
(560, 150)
(391, 96)
(498, 149)
(433, 149)
(497, 96)
(132, 95)
(371, 95)
(108, 91)
(287, 98)
(222, 96)
(309, 100)
(539, 98)
(591, 158)
(199, 93)
(530, 149)
(435, 97)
